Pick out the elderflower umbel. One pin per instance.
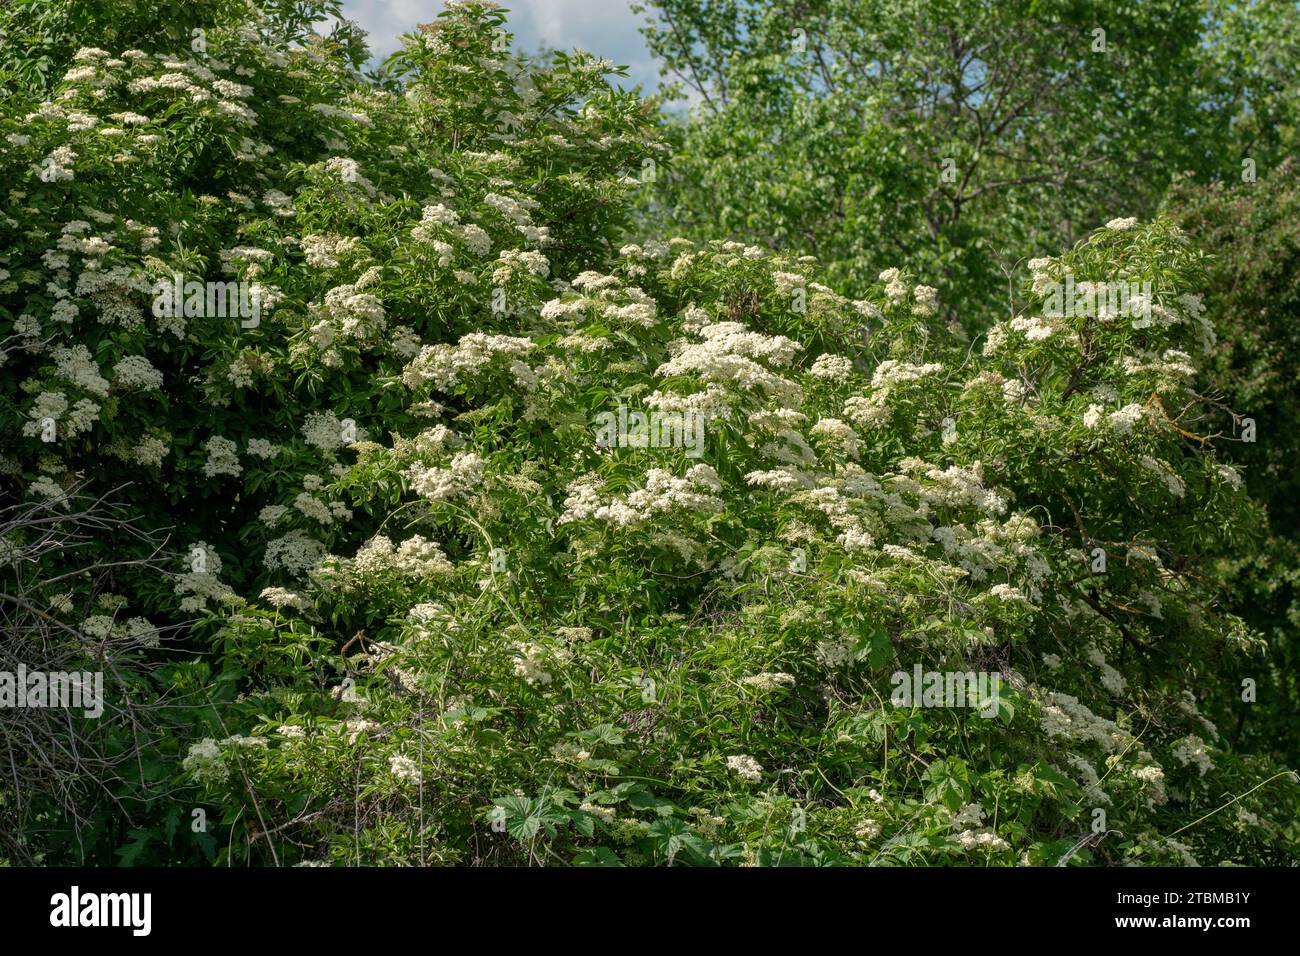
(746, 767)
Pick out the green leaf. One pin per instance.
(948, 782)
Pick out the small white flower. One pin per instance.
(405, 769)
(746, 767)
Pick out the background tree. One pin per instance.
(1253, 296)
(953, 137)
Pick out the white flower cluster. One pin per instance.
(895, 288)
(223, 458)
(329, 251)
(326, 431)
(746, 767)
(347, 318)
(283, 597)
(416, 557)
(137, 372)
(981, 840)
(446, 365)
(1111, 679)
(522, 262)
(405, 770)
(519, 213)
(205, 762)
(296, 552)
(833, 368)
(838, 434)
(663, 494)
(733, 356)
(874, 410)
(52, 407)
(1066, 717)
(76, 366)
(608, 297)
(200, 585)
(532, 660)
(462, 476)
(1192, 750)
(1177, 487)
(768, 681)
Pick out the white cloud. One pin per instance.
(607, 28)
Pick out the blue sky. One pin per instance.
(605, 27)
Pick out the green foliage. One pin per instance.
(1253, 293)
(641, 675)
(442, 608)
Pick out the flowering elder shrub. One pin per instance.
(240, 165)
(459, 611)
(565, 649)
(221, 249)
